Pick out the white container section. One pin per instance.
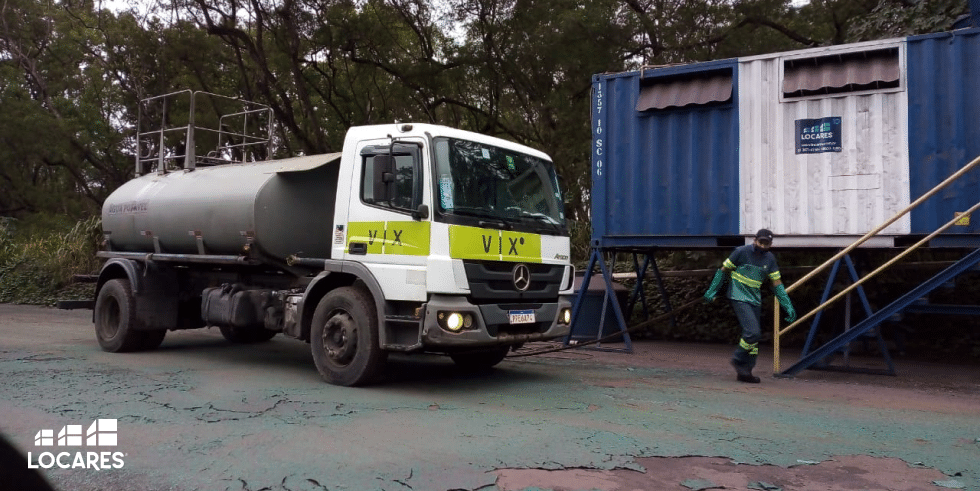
(819, 196)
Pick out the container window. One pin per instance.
(841, 73)
(687, 90)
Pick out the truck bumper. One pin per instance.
(491, 323)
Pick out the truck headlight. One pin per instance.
(566, 316)
(454, 322)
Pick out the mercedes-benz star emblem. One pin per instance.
(522, 277)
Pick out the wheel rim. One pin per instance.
(109, 326)
(340, 339)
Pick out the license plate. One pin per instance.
(521, 316)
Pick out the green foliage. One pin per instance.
(519, 69)
(894, 19)
(712, 322)
(39, 258)
(581, 236)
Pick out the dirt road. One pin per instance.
(201, 413)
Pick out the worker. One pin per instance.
(749, 266)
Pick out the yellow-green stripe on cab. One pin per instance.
(493, 245)
(407, 238)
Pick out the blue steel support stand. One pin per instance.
(641, 272)
(597, 257)
(638, 290)
(814, 327)
(807, 361)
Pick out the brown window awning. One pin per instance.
(848, 72)
(679, 92)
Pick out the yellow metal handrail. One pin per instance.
(777, 333)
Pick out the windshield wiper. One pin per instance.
(551, 223)
(471, 212)
(539, 216)
(485, 218)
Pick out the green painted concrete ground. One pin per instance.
(203, 414)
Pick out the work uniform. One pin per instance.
(750, 266)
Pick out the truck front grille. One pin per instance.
(493, 281)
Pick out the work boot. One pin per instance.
(744, 374)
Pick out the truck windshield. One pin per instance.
(493, 185)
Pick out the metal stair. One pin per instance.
(904, 303)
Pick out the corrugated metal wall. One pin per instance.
(670, 177)
(833, 193)
(662, 173)
(944, 125)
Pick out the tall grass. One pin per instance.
(38, 259)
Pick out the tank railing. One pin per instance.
(225, 149)
(158, 153)
(247, 140)
(777, 333)
(229, 141)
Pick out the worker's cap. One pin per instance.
(764, 235)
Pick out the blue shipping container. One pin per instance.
(944, 125)
(669, 172)
(702, 155)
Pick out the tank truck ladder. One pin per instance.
(812, 359)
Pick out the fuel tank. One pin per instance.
(280, 207)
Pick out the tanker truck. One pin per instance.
(414, 238)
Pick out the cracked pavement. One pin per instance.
(201, 413)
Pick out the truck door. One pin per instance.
(386, 231)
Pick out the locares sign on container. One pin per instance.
(818, 135)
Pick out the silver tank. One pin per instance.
(280, 207)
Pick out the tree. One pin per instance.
(72, 75)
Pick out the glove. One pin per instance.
(790, 314)
(783, 298)
(716, 283)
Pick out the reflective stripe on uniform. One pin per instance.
(728, 264)
(775, 276)
(745, 280)
(753, 349)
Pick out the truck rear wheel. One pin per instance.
(479, 360)
(344, 338)
(116, 324)
(152, 339)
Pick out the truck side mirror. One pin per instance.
(421, 213)
(384, 178)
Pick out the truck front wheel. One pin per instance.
(344, 338)
(116, 323)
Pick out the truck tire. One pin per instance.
(247, 336)
(479, 360)
(152, 339)
(344, 338)
(116, 324)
